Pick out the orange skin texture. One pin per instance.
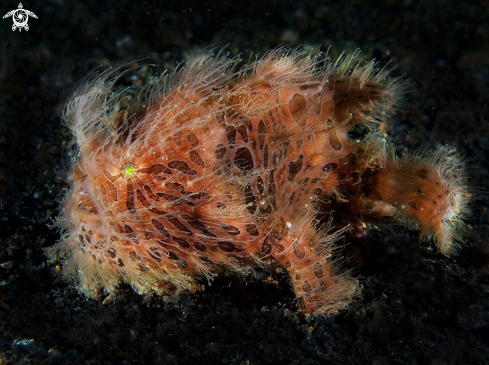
(237, 176)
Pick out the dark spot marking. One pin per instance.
(272, 118)
(130, 197)
(200, 247)
(220, 117)
(266, 247)
(334, 140)
(179, 224)
(355, 177)
(113, 190)
(209, 233)
(168, 197)
(340, 176)
(250, 199)
(349, 160)
(248, 123)
(413, 205)
(299, 251)
(231, 135)
(306, 286)
(243, 132)
(134, 256)
(155, 169)
(252, 230)
(295, 168)
(321, 287)
(111, 252)
(368, 173)
(162, 243)
(150, 192)
(120, 263)
(422, 173)
(220, 151)
(292, 196)
(194, 222)
(205, 260)
(142, 267)
(181, 242)
(160, 227)
(275, 159)
(142, 199)
(299, 143)
(262, 133)
(192, 138)
(172, 255)
(195, 157)
(244, 159)
(232, 230)
(272, 188)
(297, 106)
(175, 186)
(182, 264)
(157, 211)
(318, 100)
(260, 185)
(318, 272)
(226, 246)
(154, 254)
(182, 166)
(127, 229)
(265, 157)
(330, 167)
(200, 195)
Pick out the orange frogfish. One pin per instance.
(224, 170)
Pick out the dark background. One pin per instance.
(418, 307)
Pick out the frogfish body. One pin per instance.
(226, 170)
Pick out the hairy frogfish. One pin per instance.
(218, 169)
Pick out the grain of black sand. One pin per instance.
(418, 307)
